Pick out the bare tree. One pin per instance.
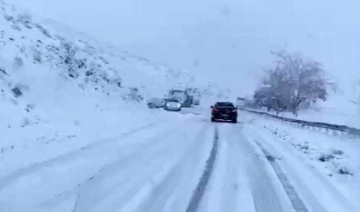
(292, 82)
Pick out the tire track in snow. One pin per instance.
(163, 195)
(296, 201)
(260, 180)
(204, 180)
(120, 186)
(236, 192)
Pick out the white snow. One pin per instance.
(331, 161)
(85, 141)
(336, 110)
(56, 114)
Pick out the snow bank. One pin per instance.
(335, 157)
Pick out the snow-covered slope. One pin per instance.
(60, 90)
(45, 64)
(26, 42)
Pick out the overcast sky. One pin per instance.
(226, 39)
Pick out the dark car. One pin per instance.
(224, 111)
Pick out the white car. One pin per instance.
(172, 105)
(156, 103)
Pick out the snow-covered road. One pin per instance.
(184, 165)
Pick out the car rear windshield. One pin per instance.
(224, 105)
(172, 100)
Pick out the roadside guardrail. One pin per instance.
(308, 124)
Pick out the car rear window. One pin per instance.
(172, 100)
(224, 104)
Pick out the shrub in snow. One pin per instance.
(43, 30)
(29, 107)
(90, 72)
(16, 92)
(71, 63)
(270, 158)
(118, 82)
(304, 147)
(8, 18)
(345, 171)
(292, 83)
(326, 157)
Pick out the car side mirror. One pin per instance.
(211, 107)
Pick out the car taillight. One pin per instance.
(215, 110)
(234, 111)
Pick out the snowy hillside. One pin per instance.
(26, 42)
(57, 86)
(42, 65)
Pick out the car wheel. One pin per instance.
(213, 119)
(234, 121)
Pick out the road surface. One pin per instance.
(187, 165)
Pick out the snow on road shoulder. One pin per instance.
(321, 160)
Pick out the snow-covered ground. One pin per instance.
(75, 136)
(332, 160)
(183, 162)
(339, 111)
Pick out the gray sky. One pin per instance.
(228, 40)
